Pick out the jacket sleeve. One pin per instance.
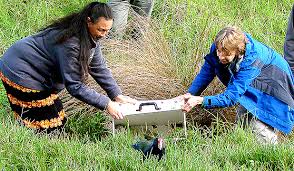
(236, 88)
(202, 80)
(102, 75)
(289, 41)
(67, 55)
(205, 76)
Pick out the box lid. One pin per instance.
(152, 112)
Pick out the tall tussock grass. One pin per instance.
(143, 67)
(176, 39)
(147, 67)
(169, 52)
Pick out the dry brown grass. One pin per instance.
(205, 117)
(146, 69)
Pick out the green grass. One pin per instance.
(232, 150)
(189, 26)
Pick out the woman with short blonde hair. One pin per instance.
(231, 39)
(256, 77)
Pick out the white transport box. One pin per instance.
(152, 112)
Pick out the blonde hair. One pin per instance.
(230, 39)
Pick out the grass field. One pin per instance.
(189, 27)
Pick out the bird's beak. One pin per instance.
(160, 143)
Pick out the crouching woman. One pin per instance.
(255, 76)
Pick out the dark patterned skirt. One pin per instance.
(40, 110)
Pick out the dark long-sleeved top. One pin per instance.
(39, 63)
(289, 41)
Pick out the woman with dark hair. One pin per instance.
(34, 69)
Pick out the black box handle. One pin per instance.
(147, 104)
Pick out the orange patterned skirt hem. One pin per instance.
(14, 85)
(54, 122)
(41, 110)
(35, 103)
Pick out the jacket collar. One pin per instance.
(234, 66)
(249, 45)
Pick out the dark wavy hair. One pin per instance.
(75, 24)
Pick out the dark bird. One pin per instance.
(155, 147)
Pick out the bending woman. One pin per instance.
(256, 77)
(35, 68)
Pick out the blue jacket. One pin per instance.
(262, 82)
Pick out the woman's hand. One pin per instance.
(125, 99)
(113, 106)
(181, 97)
(113, 110)
(191, 101)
